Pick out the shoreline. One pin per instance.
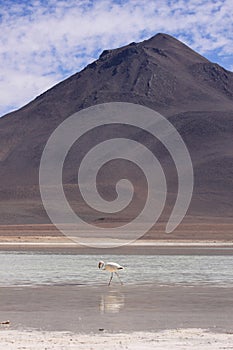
(194, 338)
(139, 248)
(138, 243)
(116, 309)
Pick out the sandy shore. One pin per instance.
(191, 248)
(191, 229)
(204, 237)
(195, 339)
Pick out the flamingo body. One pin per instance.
(111, 267)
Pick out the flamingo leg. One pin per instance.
(119, 278)
(110, 278)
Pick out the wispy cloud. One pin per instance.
(42, 42)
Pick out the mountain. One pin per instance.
(161, 73)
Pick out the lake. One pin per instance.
(36, 268)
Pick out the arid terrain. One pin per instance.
(204, 231)
(161, 73)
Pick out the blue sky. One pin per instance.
(43, 42)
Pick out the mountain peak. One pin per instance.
(173, 47)
(163, 40)
(162, 36)
(158, 47)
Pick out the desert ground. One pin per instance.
(201, 230)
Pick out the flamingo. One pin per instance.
(111, 267)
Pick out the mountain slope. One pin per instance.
(161, 73)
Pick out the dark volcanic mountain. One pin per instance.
(195, 94)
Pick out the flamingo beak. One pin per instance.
(99, 265)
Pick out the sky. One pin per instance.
(42, 42)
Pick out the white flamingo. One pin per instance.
(111, 267)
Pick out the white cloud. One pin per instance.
(42, 43)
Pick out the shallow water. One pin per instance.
(33, 268)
